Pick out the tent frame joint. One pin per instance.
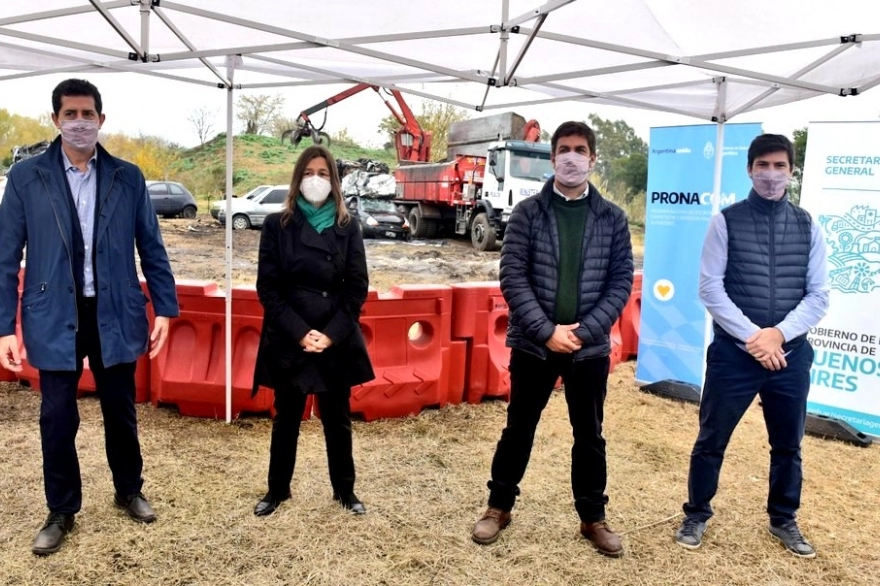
(850, 39)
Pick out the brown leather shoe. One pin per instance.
(489, 527)
(51, 536)
(606, 541)
(137, 507)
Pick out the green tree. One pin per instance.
(800, 151)
(17, 130)
(434, 117)
(622, 154)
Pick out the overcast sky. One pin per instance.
(145, 105)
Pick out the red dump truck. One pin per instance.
(494, 163)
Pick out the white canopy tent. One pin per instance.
(709, 59)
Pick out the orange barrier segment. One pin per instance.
(190, 371)
(629, 320)
(408, 336)
(479, 318)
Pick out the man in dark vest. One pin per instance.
(763, 278)
(566, 274)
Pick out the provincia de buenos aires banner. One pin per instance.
(841, 190)
(680, 202)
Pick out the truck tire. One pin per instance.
(431, 228)
(418, 226)
(482, 233)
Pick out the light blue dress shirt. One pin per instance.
(84, 189)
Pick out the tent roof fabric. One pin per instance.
(709, 59)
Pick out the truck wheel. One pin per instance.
(418, 227)
(482, 233)
(431, 228)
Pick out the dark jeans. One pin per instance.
(531, 383)
(59, 421)
(733, 378)
(336, 420)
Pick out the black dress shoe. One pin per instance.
(51, 536)
(268, 504)
(351, 502)
(137, 507)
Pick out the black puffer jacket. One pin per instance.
(529, 273)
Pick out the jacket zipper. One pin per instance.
(772, 269)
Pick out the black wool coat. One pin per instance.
(310, 281)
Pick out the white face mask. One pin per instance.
(315, 189)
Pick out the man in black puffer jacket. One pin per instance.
(566, 274)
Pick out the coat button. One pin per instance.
(329, 257)
(323, 294)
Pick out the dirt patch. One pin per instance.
(197, 250)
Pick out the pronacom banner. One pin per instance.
(681, 180)
(841, 191)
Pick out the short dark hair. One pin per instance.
(75, 87)
(771, 143)
(572, 128)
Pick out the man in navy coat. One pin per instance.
(81, 212)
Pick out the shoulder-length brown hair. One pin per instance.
(299, 169)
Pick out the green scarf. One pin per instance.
(320, 218)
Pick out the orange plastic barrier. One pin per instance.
(479, 318)
(629, 320)
(190, 370)
(408, 336)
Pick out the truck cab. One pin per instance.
(515, 170)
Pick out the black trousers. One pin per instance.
(733, 378)
(59, 420)
(336, 420)
(531, 383)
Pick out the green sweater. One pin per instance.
(571, 218)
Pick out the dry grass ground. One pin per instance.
(423, 479)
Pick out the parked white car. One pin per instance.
(220, 204)
(251, 210)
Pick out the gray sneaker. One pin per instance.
(690, 534)
(793, 540)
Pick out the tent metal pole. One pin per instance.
(35, 16)
(716, 208)
(183, 39)
(145, 28)
(230, 72)
(505, 37)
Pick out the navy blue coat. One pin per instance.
(530, 273)
(35, 211)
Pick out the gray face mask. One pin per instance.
(81, 135)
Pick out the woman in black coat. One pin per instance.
(312, 282)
